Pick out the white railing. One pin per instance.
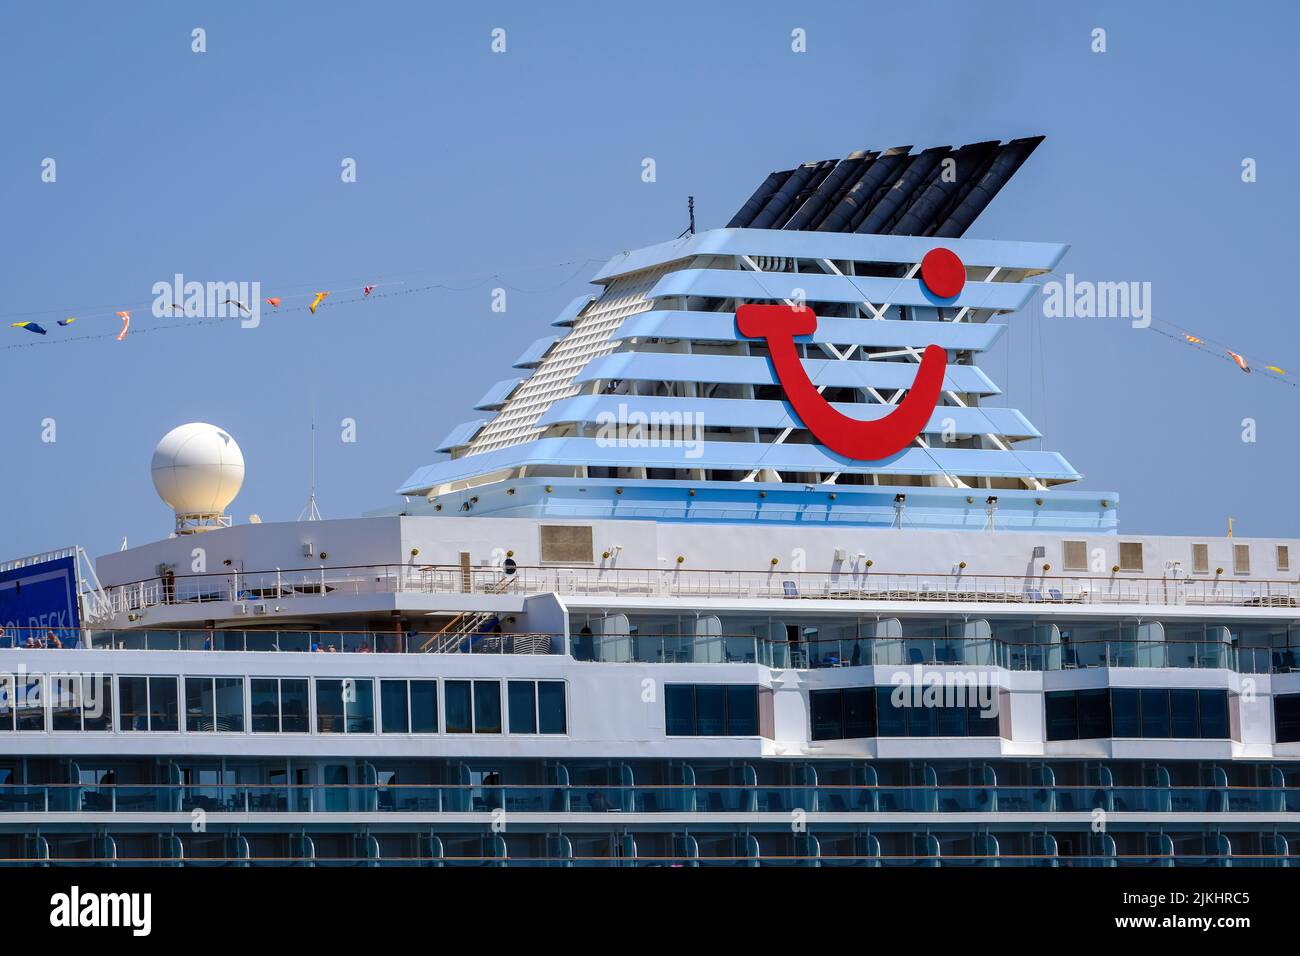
(268, 587)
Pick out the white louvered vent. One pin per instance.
(516, 423)
(1075, 556)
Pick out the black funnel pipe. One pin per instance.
(830, 187)
(1008, 161)
(755, 202)
(917, 172)
(780, 203)
(923, 214)
(857, 199)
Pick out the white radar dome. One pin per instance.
(198, 469)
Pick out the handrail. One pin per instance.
(852, 584)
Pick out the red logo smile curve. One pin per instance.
(850, 437)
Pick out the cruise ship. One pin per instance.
(740, 566)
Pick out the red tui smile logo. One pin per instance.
(944, 276)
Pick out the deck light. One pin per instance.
(415, 552)
(962, 564)
(681, 559)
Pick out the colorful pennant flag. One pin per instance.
(1274, 368)
(367, 290)
(68, 321)
(126, 324)
(274, 302)
(1241, 362)
(1194, 340)
(320, 297)
(29, 326)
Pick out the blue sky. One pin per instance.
(226, 166)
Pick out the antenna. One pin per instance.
(690, 209)
(311, 512)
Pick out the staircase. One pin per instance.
(467, 623)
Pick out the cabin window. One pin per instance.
(1283, 557)
(1201, 558)
(1241, 559)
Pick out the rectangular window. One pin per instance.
(742, 710)
(457, 694)
(200, 705)
(97, 702)
(229, 697)
(1241, 559)
(679, 710)
(293, 706)
(393, 716)
(65, 701)
(1213, 705)
(1062, 715)
(329, 707)
(827, 714)
(424, 706)
(891, 719)
(1183, 720)
(1283, 557)
(164, 705)
(7, 699)
(711, 710)
(31, 702)
(1155, 713)
(1126, 712)
(551, 713)
(859, 712)
(1201, 558)
(1286, 718)
(1130, 555)
(345, 706)
(522, 698)
(1075, 556)
(487, 707)
(1094, 714)
(133, 703)
(264, 700)
(360, 707)
(952, 721)
(981, 724)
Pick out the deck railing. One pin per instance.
(712, 798)
(268, 587)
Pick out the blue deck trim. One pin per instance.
(752, 370)
(769, 286)
(532, 356)
(743, 456)
(1031, 256)
(882, 333)
(496, 396)
(460, 435)
(754, 413)
(934, 509)
(570, 311)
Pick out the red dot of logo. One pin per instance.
(943, 273)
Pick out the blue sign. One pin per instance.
(38, 599)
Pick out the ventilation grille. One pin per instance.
(1283, 557)
(1076, 555)
(1201, 558)
(1130, 556)
(1241, 559)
